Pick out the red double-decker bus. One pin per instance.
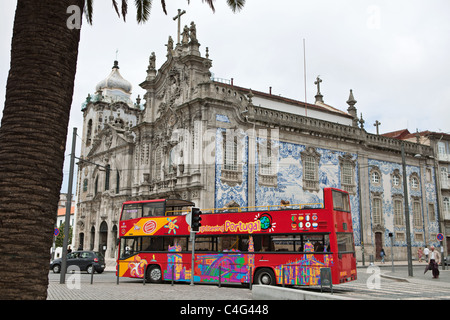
(285, 244)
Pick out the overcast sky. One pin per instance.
(394, 54)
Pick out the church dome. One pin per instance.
(115, 81)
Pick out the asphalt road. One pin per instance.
(374, 282)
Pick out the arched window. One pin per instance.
(89, 133)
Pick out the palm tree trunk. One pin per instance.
(33, 136)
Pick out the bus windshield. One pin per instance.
(341, 201)
(139, 210)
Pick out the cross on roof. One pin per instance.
(377, 124)
(178, 16)
(317, 82)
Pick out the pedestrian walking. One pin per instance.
(419, 254)
(426, 251)
(382, 255)
(435, 259)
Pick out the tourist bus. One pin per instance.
(286, 244)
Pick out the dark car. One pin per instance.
(84, 260)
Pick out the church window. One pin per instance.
(266, 158)
(107, 174)
(89, 133)
(414, 181)
(396, 180)
(85, 185)
(230, 146)
(417, 212)
(310, 168)
(310, 159)
(347, 173)
(398, 211)
(268, 155)
(117, 181)
(375, 177)
(348, 165)
(377, 210)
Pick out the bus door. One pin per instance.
(346, 256)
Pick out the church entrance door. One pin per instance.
(103, 239)
(378, 245)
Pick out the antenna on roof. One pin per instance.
(304, 75)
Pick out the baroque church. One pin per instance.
(217, 144)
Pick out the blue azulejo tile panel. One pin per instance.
(289, 178)
(234, 190)
(388, 190)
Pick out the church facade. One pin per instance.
(218, 145)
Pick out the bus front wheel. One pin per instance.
(265, 276)
(154, 274)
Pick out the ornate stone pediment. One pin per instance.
(109, 138)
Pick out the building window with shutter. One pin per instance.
(232, 150)
(377, 211)
(348, 165)
(310, 160)
(398, 211)
(268, 157)
(417, 212)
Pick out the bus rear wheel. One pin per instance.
(154, 274)
(265, 277)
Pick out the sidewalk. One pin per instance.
(400, 272)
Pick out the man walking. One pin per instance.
(435, 259)
(426, 252)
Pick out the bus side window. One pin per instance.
(147, 211)
(153, 209)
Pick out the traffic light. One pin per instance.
(196, 218)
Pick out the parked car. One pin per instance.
(84, 260)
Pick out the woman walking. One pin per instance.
(420, 254)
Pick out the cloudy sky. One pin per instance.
(394, 54)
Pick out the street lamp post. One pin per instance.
(62, 278)
(407, 220)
